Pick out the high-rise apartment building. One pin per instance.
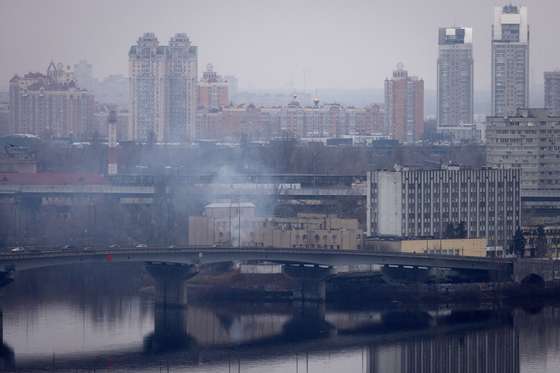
(552, 91)
(422, 203)
(83, 73)
(529, 140)
(51, 105)
(404, 106)
(163, 89)
(4, 113)
(233, 88)
(455, 77)
(213, 90)
(510, 60)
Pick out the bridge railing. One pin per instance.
(50, 251)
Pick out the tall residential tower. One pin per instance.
(455, 77)
(404, 106)
(510, 60)
(163, 89)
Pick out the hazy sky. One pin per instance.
(267, 43)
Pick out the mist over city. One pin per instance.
(368, 186)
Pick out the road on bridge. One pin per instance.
(25, 260)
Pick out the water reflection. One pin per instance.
(7, 357)
(121, 330)
(170, 332)
(234, 325)
(492, 350)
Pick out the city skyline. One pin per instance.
(293, 185)
(305, 28)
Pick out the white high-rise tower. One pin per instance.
(455, 77)
(510, 60)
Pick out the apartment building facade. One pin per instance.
(163, 89)
(423, 203)
(455, 87)
(510, 60)
(530, 141)
(404, 106)
(50, 105)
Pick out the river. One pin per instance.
(101, 318)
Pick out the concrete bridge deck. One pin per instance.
(204, 255)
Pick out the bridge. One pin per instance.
(37, 258)
(171, 267)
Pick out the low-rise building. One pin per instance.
(236, 224)
(462, 133)
(550, 238)
(459, 246)
(18, 154)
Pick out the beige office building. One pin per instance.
(233, 224)
(459, 246)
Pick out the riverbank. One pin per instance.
(363, 289)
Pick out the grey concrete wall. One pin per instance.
(547, 269)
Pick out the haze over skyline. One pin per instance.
(267, 44)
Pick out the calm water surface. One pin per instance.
(97, 319)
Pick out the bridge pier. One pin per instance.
(6, 277)
(170, 281)
(308, 322)
(170, 330)
(311, 285)
(7, 356)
